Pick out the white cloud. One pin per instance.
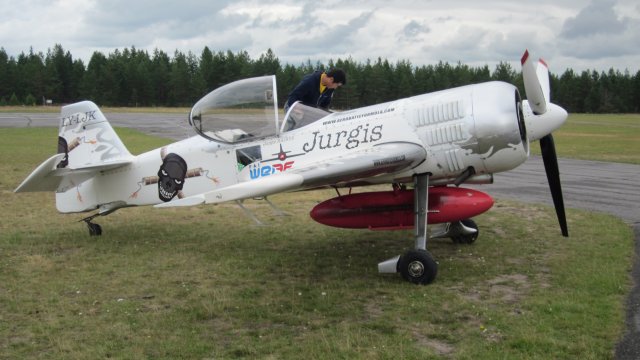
(597, 18)
(328, 39)
(568, 34)
(412, 30)
(599, 32)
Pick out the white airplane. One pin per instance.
(434, 142)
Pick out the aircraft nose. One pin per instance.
(500, 127)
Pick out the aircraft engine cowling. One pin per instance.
(499, 126)
(479, 126)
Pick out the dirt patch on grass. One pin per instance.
(420, 333)
(36, 263)
(503, 288)
(439, 347)
(530, 213)
(509, 288)
(373, 310)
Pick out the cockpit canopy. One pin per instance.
(246, 110)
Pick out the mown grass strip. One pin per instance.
(204, 282)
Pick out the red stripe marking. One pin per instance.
(544, 63)
(525, 56)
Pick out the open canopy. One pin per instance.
(246, 110)
(240, 111)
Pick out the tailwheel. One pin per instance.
(94, 229)
(418, 267)
(466, 232)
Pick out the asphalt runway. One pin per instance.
(592, 185)
(173, 126)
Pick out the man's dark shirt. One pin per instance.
(308, 92)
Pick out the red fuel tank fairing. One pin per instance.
(393, 210)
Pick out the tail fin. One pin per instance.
(87, 139)
(87, 144)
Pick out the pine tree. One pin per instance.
(130, 77)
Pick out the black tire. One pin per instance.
(94, 229)
(418, 267)
(467, 239)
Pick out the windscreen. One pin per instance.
(300, 115)
(241, 111)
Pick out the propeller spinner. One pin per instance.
(545, 118)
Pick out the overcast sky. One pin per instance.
(592, 34)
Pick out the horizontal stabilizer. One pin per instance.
(105, 165)
(42, 178)
(47, 176)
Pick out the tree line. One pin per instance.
(132, 77)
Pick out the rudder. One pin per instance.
(87, 139)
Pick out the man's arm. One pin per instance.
(325, 99)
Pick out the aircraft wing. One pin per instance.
(386, 158)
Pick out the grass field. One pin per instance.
(204, 282)
(607, 137)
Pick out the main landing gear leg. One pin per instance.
(416, 265)
(94, 229)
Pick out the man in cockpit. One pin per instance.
(316, 89)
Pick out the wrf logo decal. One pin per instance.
(260, 170)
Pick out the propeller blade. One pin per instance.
(548, 148)
(536, 83)
(542, 72)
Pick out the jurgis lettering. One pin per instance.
(350, 139)
(257, 170)
(79, 118)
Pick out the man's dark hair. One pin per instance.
(338, 76)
